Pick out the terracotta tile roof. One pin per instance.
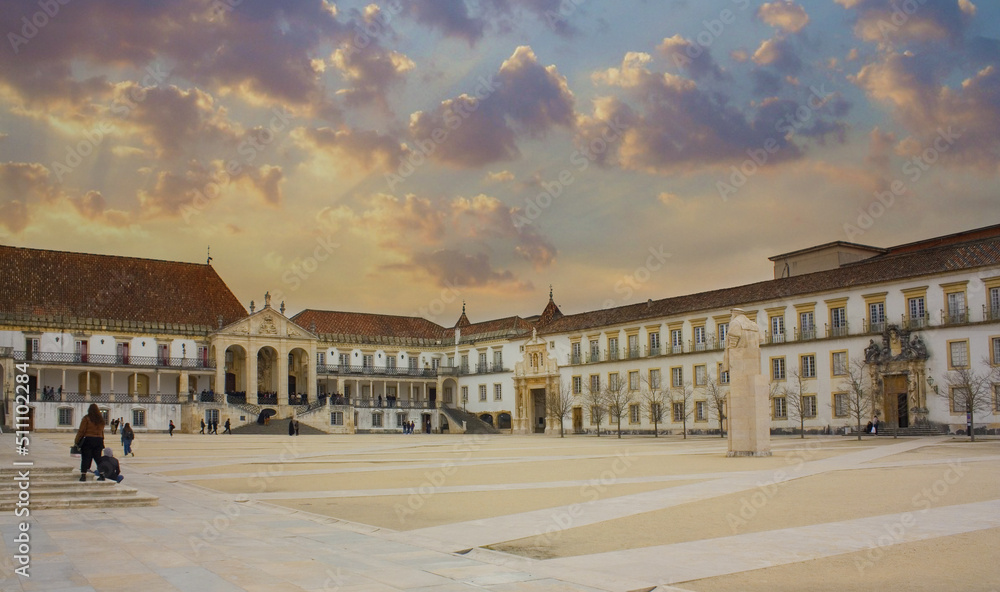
(353, 326)
(881, 268)
(506, 327)
(40, 283)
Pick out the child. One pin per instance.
(108, 467)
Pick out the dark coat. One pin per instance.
(108, 467)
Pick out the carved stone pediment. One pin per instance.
(266, 323)
(898, 345)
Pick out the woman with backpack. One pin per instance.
(127, 436)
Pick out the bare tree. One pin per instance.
(717, 396)
(795, 399)
(680, 404)
(655, 403)
(970, 391)
(618, 397)
(860, 395)
(559, 404)
(595, 399)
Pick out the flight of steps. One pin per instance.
(915, 430)
(52, 488)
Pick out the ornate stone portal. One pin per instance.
(749, 415)
(897, 368)
(534, 377)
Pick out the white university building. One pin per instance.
(154, 341)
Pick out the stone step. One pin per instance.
(101, 501)
(40, 474)
(94, 489)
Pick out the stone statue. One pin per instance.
(749, 405)
(918, 348)
(267, 299)
(872, 352)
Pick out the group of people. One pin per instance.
(49, 393)
(293, 426)
(408, 427)
(872, 427)
(213, 427)
(390, 400)
(90, 440)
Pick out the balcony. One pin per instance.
(991, 313)
(111, 360)
(837, 331)
(613, 355)
(677, 349)
(774, 338)
(916, 322)
(875, 326)
(575, 359)
(343, 369)
(654, 351)
(805, 334)
(633, 353)
(959, 317)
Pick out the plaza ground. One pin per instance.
(450, 513)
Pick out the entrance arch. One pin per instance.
(236, 369)
(298, 372)
(504, 421)
(267, 373)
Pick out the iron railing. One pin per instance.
(111, 360)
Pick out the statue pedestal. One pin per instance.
(749, 416)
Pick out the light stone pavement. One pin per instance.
(199, 539)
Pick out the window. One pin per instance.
(482, 363)
(498, 360)
(465, 363)
(654, 411)
(700, 375)
(613, 381)
(595, 350)
(376, 419)
(838, 363)
(996, 397)
(65, 416)
(367, 362)
(593, 415)
(994, 311)
(700, 411)
(633, 346)
(808, 405)
(838, 321)
(400, 419)
(676, 341)
(678, 412)
(780, 410)
(211, 415)
(654, 343)
(699, 338)
(575, 352)
(677, 376)
(390, 362)
(807, 366)
(31, 348)
(876, 317)
(633, 413)
(465, 394)
(498, 392)
(577, 385)
(345, 361)
(633, 380)
(413, 361)
(482, 392)
(612, 348)
(958, 354)
(995, 351)
(807, 325)
(959, 400)
(777, 368)
(778, 329)
(320, 358)
(138, 418)
(595, 383)
(840, 404)
(917, 312)
(956, 307)
(723, 374)
(654, 378)
(723, 330)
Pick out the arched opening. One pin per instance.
(138, 384)
(486, 417)
(298, 376)
(504, 421)
(236, 371)
(95, 383)
(267, 376)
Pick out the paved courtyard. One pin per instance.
(508, 513)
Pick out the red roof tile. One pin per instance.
(368, 325)
(40, 282)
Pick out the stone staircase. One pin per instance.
(473, 425)
(277, 427)
(912, 431)
(59, 488)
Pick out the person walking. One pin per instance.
(291, 426)
(202, 427)
(90, 439)
(171, 428)
(227, 430)
(127, 436)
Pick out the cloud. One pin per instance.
(779, 54)
(662, 123)
(693, 59)
(176, 193)
(503, 176)
(783, 14)
(371, 72)
(523, 99)
(370, 149)
(448, 266)
(886, 21)
(472, 21)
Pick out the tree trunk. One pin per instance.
(619, 427)
(972, 425)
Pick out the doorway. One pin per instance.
(895, 398)
(538, 417)
(578, 420)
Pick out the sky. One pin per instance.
(406, 156)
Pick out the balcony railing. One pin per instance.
(805, 334)
(875, 326)
(960, 317)
(991, 313)
(111, 360)
(837, 331)
(654, 351)
(575, 359)
(75, 397)
(396, 404)
(916, 322)
(381, 371)
(633, 353)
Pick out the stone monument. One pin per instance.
(749, 406)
